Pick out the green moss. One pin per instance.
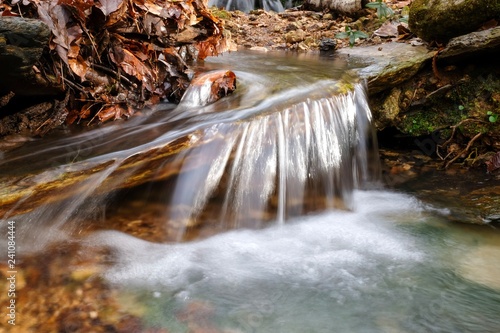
(436, 20)
(220, 13)
(426, 122)
(469, 100)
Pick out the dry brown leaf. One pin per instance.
(494, 163)
(108, 113)
(79, 8)
(109, 6)
(388, 29)
(132, 66)
(79, 67)
(118, 16)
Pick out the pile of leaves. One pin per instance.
(114, 57)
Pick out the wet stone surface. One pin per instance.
(471, 195)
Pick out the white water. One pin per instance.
(387, 266)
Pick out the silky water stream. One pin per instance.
(269, 218)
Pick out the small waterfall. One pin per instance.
(247, 5)
(302, 153)
(265, 154)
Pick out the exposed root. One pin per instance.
(477, 136)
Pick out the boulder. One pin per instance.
(441, 20)
(22, 42)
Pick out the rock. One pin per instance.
(295, 36)
(388, 65)
(247, 6)
(22, 42)
(327, 46)
(476, 266)
(259, 49)
(441, 20)
(389, 110)
(474, 42)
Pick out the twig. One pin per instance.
(446, 87)
(74, 85)
(91, 38)
(4, 100)
(118, 76)
(434, 64)
(478, 135)
(454, 128)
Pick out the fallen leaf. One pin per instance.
(78, 7)
(109, 6)
(115, 112)
(493, 163)
(388, 29)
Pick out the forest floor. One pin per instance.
(309, 31)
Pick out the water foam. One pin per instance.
(344, 246)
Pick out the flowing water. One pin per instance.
(270, 218)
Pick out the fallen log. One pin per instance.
(345, 7)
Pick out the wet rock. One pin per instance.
(441, 20)
(386, 66)
(476, 266)
(327, 45)
(389, 110)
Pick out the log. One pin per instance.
(345, 7)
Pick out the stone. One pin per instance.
(327, 46)
(295, 36)
(22, 42)
(441, 20)
(390, 109)
(328, 16)
(386, 66)
(487, 40)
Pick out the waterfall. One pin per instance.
(302, 153)
(247, 5)
(267, 153)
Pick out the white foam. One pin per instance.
(342, 246)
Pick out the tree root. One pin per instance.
(446, 161)
(477, 136)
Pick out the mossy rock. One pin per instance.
(441, 20)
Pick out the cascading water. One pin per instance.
(291, 145)
(296, 151)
